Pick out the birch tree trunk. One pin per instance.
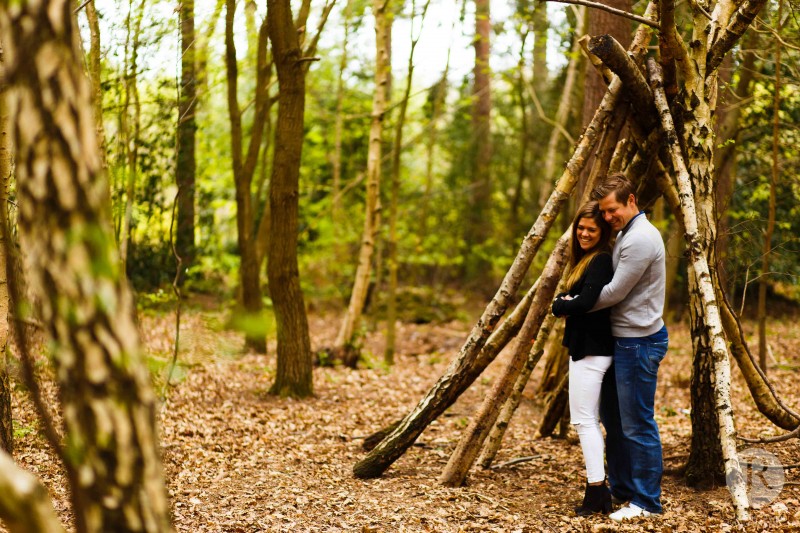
(109, 410)
(244, 164)
(700, 238)
(185, 165)
(345, 345)
(294, 372)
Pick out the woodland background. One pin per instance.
(423, 164)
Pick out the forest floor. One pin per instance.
(240, 460)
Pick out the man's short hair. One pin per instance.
(616, 183)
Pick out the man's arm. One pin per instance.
(634, 259)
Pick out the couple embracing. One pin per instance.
(616, 340)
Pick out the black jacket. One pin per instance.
(587, 333)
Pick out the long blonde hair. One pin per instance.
(579, 259)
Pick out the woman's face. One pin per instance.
(587, 233)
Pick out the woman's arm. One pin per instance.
(598, 273)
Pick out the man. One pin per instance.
(636, 297)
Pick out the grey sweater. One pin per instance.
(636, 293)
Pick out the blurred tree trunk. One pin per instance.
(338, 130)
(773, 182)
(244, 166)
(346, 341)
(391, 296)
(728, 131)
(525, 139)
(601, 23)
(95, 75)
(565, 106)
(112, 458)
(541, 27)
(478, 223)
(185, 165)
(130, 132)
(6, 423)
(294, 372)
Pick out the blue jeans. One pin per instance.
(633, 444)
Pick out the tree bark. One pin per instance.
(482, 422)
(294, 372)
(109, 410)
(346, 345)
(185, 165)
(700, 238)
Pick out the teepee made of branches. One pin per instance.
(665, 101)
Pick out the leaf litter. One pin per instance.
(239, 460)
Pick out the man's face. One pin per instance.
(616, 213)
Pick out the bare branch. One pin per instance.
(612, 10)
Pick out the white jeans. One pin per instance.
(585, 380)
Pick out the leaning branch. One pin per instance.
(612, 10)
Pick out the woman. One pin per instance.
(588, 338)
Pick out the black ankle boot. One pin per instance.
(597, 499)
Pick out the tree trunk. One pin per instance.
(346, 340)
(770, 229)
(130, 132)
(565, 105)
(478, 227)
(95, 71)
(294, 373)
(244, 165)
(391, 296)
(109, 410)
(6, 423)
(187, 126)
(482, 422)
(700, 226)
(601, 23)
(338, 130)
(555, 407)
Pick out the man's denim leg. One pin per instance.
(636, 362)
(617, 457)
